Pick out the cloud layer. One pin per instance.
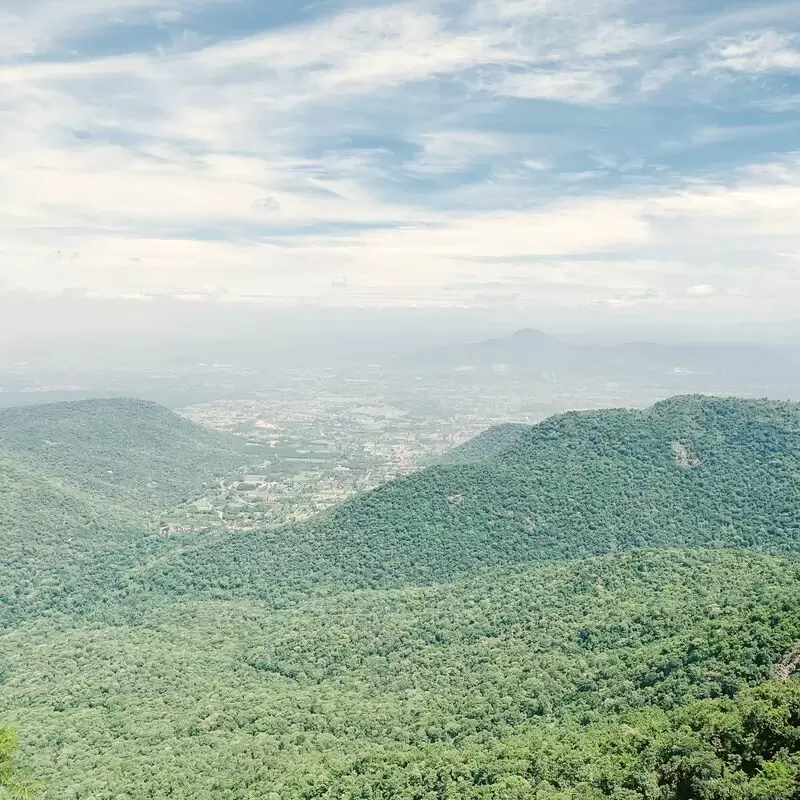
(519, 153)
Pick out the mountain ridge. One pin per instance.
(82, 485)
(604, 605)
(579, 484)
(109, 445)
(533, 353)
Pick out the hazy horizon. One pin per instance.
(189, 184)
(400, 399)
(28, 318)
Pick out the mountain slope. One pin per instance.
(692, 471)
(527, 349)
(532, 354)
(127, 451)
(452, 634)
(689, 472)
(490, 443)
(81, 482)
(380, 694)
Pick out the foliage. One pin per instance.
(350, 691)
(80, 483)
(579, 484)
(10, 787)
(128, 452)
(488, 444)
(586, 483)
(745, 748)
(594, 608)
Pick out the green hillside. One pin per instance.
(689, 472)
(515, 678)
(80, 483)
(129, 452)
(490, 443)
(51, 532)
(606, 605)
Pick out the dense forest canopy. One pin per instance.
(604, 605)
(81, 488)
(129, 452)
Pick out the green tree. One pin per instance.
(10, 786)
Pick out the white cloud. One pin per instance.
(357, 51)
(34, 25)
(446, 151)
(171, 171)
(577, 227)
(168, 15)
(580, 87)
(450, 250)
(763, 52)
(536, 165)
(702, 290)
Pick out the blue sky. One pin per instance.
(638, 157)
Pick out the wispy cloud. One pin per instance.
(755, 53)
(418, 148)
(579, 87)
(38, 26)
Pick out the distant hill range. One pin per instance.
(532, 353)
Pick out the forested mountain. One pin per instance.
(606, 605)
(688, 472)
(130, 452)
(80, 483)
(490, 443)
(562, 680)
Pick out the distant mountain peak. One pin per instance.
(529, 334)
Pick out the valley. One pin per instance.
(328, 434)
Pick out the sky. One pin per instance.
(617, 157)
